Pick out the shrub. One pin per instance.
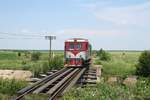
(35, 56)
(5, 97)
(19, 54)
(56, 62)
(103, 55)
(143, 67)
(42, 67)
(105, 91)
(45, 67)
(26, 67)
(10, 87)
(27, 54)
(36, 69)
(97, 62)
(23, 62)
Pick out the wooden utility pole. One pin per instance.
(50, 38)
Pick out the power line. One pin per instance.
(17, 38)
(15, 34)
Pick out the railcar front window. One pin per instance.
(79, 46)
(71, 45)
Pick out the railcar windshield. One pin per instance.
(71, 45)
(78, 46)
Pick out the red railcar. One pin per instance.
(77, 52)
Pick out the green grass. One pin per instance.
(128, 57)
(118, 68)
(121, 63)
(11, 86)
(104, 91)
(5, 97)
(11, 60)
(8, 56)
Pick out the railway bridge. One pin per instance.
(56, 84)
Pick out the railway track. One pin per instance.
(54, 85)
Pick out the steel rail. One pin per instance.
(61, 82)
(53, 92)
(29, 89)
(74, 81)
(40, 89)
(65, 84)
(57, 83)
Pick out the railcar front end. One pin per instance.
(77, 52)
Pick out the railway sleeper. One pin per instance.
(89, 76)
(93, 71)
(93, 74)
(49, 73)
(52, 82)
(34, 86)
(61, 86)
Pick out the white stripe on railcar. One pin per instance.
(70, 40)
(81, 40)
(79, 55)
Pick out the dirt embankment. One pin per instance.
(15, 74)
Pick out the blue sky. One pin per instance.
(108, 24)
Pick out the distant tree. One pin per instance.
(27, 54)
(103, 55)
(123, 53)
(19, 54)
(23, 62)
(35, 56)
(143, 67)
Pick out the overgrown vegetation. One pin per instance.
(118, 68)
(35, 56)
(11, 86)
(42, 67)
(28, 60)
(56, 62)
(122, 65)
(143, 67)
(25, 60)
(104, 91)
(103, 55)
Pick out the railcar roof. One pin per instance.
(78, 39)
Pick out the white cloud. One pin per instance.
(138, 14)
(25, 31)
(89, 32)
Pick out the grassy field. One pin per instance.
(122, 64)
(11, 60)
(104, 91)
(9, 87)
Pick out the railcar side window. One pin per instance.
(79, 46)
(71, 45)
